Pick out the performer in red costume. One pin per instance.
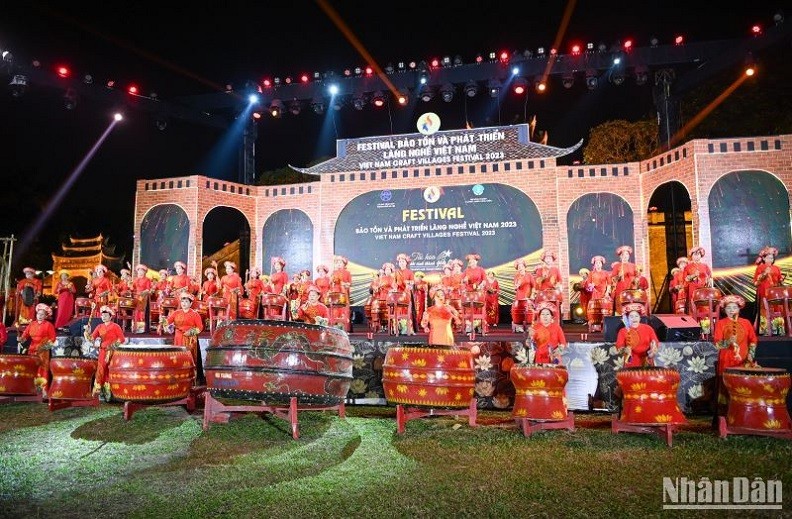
(28, 291)
(405, 281)
(766, 275)
(341, 278)
(210, 286)
(230, 288)
(524, 288)
(313, 311)
(387, 281)
(547, 275)
(181, 282)
(109, 335)
(474, 276)
(438, 319)
(623, 276)
(100, 287)
(697, 275)
(547, 335)
(420, 293)
(65, 291)
(597, 287)
(187, 324)
(124, 286)
(279, 279)
(637, 342)
(678, 287)
(322, 280)
(141, 288)
(41, 333)
(254, 288)
(492, 290)
(734, 336)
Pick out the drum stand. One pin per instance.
(59, 403)
(10, 399)
(664, 431)
(217, 412)
(529, 426)
(195, 394)
(724, 430)
(405, 414)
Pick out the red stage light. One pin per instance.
(553, 52)
(256, 115)
(756, 30)
(435, 63)
(402, 99)
(750, 70)
(479, 58)
(628, 45)
(347, 72)
(679, 40)
(576, 50)
(267, 83)
(63, 71)
(369, 71)
(519, 89)
(132, 89)
(304, 78)
(504, 56)
(379, 102)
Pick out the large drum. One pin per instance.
(274, 306)
(398, 298)
(650, 396)
(378, 312)
(433, 376)
(72, 378)
(540, 392)
(169, 303)
(704, 295)
(247, 309)
(597, 311)
(473, 298)
(18, 374)
(757, 398)
(454, 298)
(273, 361)
(632, 295)
(202, 307)
(149, 373)
(522, 313)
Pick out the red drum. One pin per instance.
(757, 398)
(216, 302)
(169, 303)
(680, 305)
(274, 305)
(18, 374)
(202, 307)
(72, 378)
(779, 293)
(247, 309)
(522, 312)
(379, 310)
(433, 376)
(454, 298)
(705, 295)
(151, 373)
(540, 392)
(548, 294)
(598, 310)
(274, 361)
(650, 396)
(398, 298)
(336, 299)
(473, 298)
(127, 302)
(82, 303)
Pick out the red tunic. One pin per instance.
(765, 277)
(547, 278)
(678, 289)
(323, 284)
(599, 280)
(182, 283)
(746, 337)
(523, 285)
(65, 293)
(474, 277)
(438, 319)
(3, 335)
(141, 287)
(492, 289)
(546, 338)
(210, 288)
(109, 333)
(279, 280)
(101, 288)
(623, 275)
(40, 333)
(28, 312)
(182, 323)
(639, 340)
(403, 278)
(697, 275)
(231, 287)
(309, 312)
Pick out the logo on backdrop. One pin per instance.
(478, 190)
(431, 194)
(386, 196)
(428, 123)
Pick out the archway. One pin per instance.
(597, 223)
(164, 236)
(670, 236)
(288, 233)
(226, 237)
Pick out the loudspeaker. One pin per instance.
(611, 326)
(76, 326)
(675, 327)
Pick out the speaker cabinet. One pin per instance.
(675, 327)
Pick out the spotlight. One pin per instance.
(378, 99)
(132, 89)
(7, 56)
(332, 89)
(304, 78)
(540, 51)
(568, 80)
(616, 77)
(118, 117)
(161, 123)
(400, 65)
(427, 93)
(295, 107)
(494, 87)
(778, 18)
(70, 99)
(679, 40)
(591, 79)
(653, 41)
(63, 71)
(540, 86)
(471, 88)
(389, 68)
(457, 60)
(402, 98)
(359, 102)
(447, 92)
(276, 108)
(18, 85)
(87, 79)
(519, 85)
(253, 99)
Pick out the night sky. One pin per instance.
(183, 50)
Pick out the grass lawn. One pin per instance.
(89, 462)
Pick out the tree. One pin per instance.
(621, 141)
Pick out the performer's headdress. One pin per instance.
(633, 307)
(623, 248)
(731, 298)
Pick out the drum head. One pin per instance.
(746, 370)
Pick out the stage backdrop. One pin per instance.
(434, 224)
(164, 236)
(288, 233)
(597, 224)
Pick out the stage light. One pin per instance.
(161, 123)
(553, 51)
(288, 80)
(412, 64)
(87, 79)
(318, 105)
(276, 81)
(423, 79)
(446, 61)
(519, 85)
(641, 75)
(359, 101)
(70, 99)
(528, 54)
(402, 98)
(18, 85)
(492, 56)
(378, 99)
(63, 71)
(256, 115)
(400, 65)
(653, 41)
(111, 84)
(602, 47)
(503, 56)
(540, 51)
(778, 18)
(679, 40)
(358, 71)
(457, 60)
(589, 47)
(276, 108)
(295, 107)
(627, 45)
(253, 99)
(750, 70)
(426, 93)
(591, 79)
(153, 95)
(568, 80)
(347, 72)
(118, 117)
(494, 87)
(479, 58)
(332, 89)
(132, 89)
(616, 76)
(471, 88)
(576, 50)
(304, 78)
(7, 56)
(389, 68)
(515, 71)
(434, 63)
(447, 92)
(540, 86)
(317, 76)
(369, 71)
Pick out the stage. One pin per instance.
(591, 363)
